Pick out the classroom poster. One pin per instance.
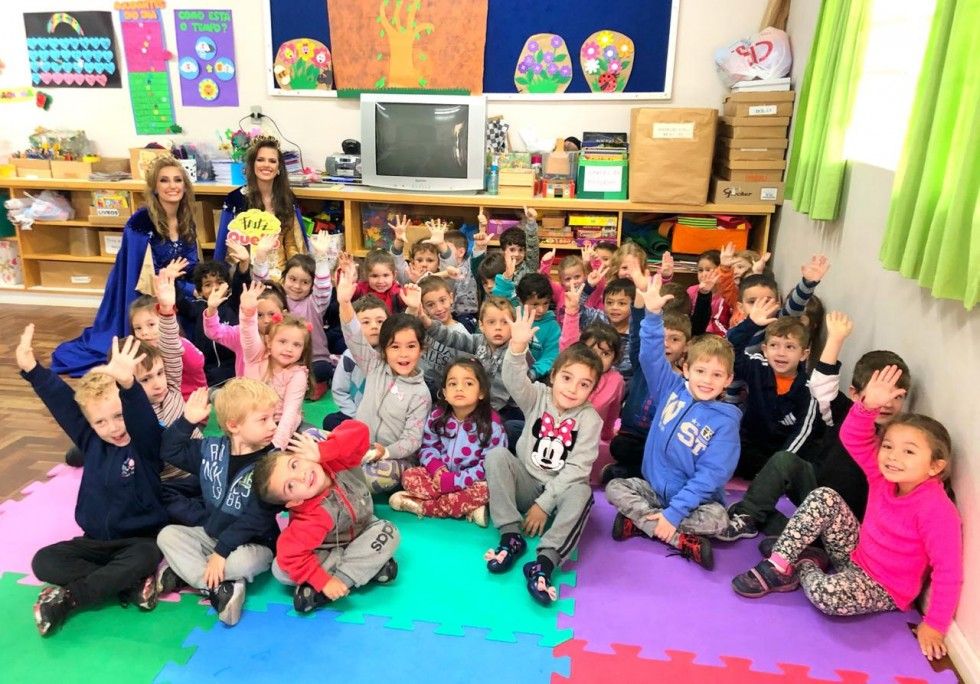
(146, 61)
(206, 58)
(416, 44)
(71, 50)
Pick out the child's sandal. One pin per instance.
(514, 547)
(535, 573)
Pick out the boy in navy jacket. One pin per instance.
(119, 506)
(239, 533)
(692, 447)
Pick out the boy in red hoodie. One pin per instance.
(333, 541)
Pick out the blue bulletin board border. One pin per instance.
(651, 24)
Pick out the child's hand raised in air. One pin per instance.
(346, 285)
(639, 278)
(596, 275)
(248, 301)
(197, 408)
(304, 446)
(708, 281)
(728, 255)
(882, 388)
(573, 301)
(549, 256)
(588, 252)
(400, 228)
(122, 366)
(816, 268)
(166, 292)
(411, 295)
(522, 330)
(763, 311)
(510, 265)
(320, 245)
(453, 273)
(531, 213)
(437, 229)
(759, 266)
(267, 243)
(177, 267)
(219, 295)
(839, 326)
(652, 298)
(667, 266)
(25, 349)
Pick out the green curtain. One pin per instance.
(816, 163)
(932, 233)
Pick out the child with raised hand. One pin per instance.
(522, 245)
(719, 312)
(571, 273)
(377, 277)
(306, 281)
(423, 256)
(554, 455)
(119, 506)
(347, 386)
(628, 258)
(280, 358)
(450, 482)
(271, 307)
(144, 318)
(911, 528)
(533, 292)
(758, 285)
(396, 401)
(454, 249)
(333, 542)
(432, 300)
(235, 540)
(691, 450)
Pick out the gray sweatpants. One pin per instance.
(512, 492)
(635, 498)
(355, 564)
(186, 550)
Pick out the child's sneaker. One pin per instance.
(168, 581)
(307, 599)
(401, 501)
(697, 549)
(624, 528)
(387, 573)
(478, 516)
(813, 555)
(228, 600)
(144, 595)
(763, 579)
(740, 526)
(51, 608)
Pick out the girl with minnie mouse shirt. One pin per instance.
(549, 478)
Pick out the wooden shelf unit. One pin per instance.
(48, 242)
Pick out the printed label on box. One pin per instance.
(107, 211)
(762, 110)
(673, 131)
(768, 193)
(602, 179)
(81, 279)
(112, 244)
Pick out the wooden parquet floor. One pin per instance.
(31, 443)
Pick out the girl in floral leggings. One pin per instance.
(910, 526)
(461, 428)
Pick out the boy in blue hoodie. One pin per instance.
(691, 450)
(533, 292)
(237, 538)
(119, 505)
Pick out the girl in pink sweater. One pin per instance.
(271, 305)
(910, 526)
(280, 359)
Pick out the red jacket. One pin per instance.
(311, 522)
(390, 297)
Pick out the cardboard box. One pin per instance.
(110, 241)
(762, 96)
(602, 178)
(80, 170)
(757, 109)
(754, 127)
(32, 168)
(551, 221)
(755, 175)
(755, 143)
(690, 240)
(73, 275)
(83, 242)
(516, 183)
(745, 192)
(671, 154)
(140, 159)
(739, 153)
(496, 226)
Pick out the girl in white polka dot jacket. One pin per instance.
(461, 428)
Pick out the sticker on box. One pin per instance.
(602, 179)
(763, 110)
(769, 194)
(673, 131)
(81, 279)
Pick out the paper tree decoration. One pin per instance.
(303, 64)
(607, 61)
(544, 66)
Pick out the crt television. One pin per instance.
(432, 143)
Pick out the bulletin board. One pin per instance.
(651, 24)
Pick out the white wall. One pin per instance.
(938, 339)
(319, 125)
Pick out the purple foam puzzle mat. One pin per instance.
(634, 593)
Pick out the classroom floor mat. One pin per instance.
(676, 605)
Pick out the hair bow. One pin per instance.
(309, 327)
(563, 431)
(277, 317)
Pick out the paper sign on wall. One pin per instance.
(146, 61)
(206, 58)
(76, 50)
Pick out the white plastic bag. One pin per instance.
(766, 55)
(48, 206)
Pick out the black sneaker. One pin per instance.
(168, 581)
(307, 599)
(624, 528)
(144, 595)
(740, 526)
(228, 600)
(387, 573)
(697, 549)
(51, 609)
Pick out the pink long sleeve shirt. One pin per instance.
(903, 536)
(607, 395)
(226, 335)
(289, 383)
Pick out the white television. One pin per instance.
(429, 143)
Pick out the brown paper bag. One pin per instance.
(671, 151)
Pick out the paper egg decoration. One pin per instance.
(303, 64)
(544, 65)
(607, 61)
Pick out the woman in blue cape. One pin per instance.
(267, 188)
(165, 226)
